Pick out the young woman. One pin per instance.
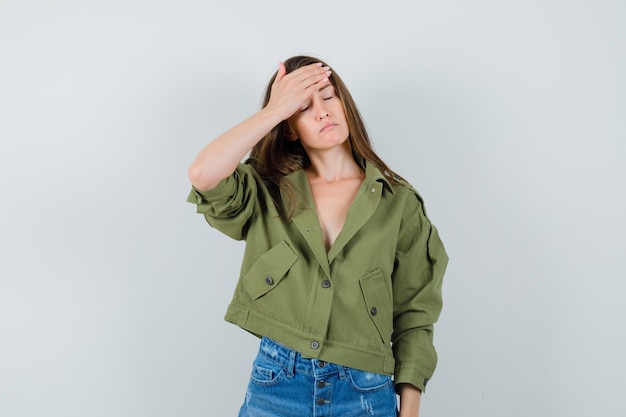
(342, 271)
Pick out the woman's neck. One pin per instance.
(333, 165)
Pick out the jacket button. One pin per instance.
(269, 280)
(315, 345)
(374, 311)
(325, 283)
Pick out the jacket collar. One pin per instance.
(373, 174)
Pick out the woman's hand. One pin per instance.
(291, 91)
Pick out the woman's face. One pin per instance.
(321, 122)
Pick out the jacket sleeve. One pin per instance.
(229, 206)
(420, 264)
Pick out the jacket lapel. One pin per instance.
(359, 213)
(362, 208)
(306, 221)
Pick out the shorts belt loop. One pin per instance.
(342, 372)
(291, 364)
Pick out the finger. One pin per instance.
(315, 79)
(282, 71)
(303, 73)
(308, 75)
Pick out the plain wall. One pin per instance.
(507, 116)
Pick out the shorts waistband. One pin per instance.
(294, 362)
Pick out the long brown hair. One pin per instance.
(275, 156)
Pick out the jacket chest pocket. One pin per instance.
(269, 270)
(378, 301)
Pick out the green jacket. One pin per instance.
(369, 303)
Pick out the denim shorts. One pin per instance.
(285, 384)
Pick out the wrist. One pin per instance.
(410, 397)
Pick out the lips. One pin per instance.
(328, 126)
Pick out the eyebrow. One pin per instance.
(325, 87)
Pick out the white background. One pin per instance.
(508, 116)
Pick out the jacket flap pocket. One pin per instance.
(379, 303)
(269, 270)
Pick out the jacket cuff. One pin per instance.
(416, 377)
(222, 190)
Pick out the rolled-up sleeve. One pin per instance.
(229, 206)
(421, 260)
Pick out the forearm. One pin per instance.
(220, 157)
(410, 398)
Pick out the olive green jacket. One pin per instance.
(369, 303)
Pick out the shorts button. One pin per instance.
(321, 401)
(321, 384)
(321, 364)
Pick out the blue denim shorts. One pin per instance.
(284, 384)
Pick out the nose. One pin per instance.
(320, 110)
(322, 113)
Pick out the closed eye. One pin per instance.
(327, 92)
